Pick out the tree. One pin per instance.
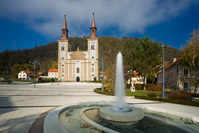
(16, 68)
(190, 57)
(109, 81)
(143, 56)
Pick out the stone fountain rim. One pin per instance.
(98, 126)
(52, 124)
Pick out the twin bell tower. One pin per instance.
(78, 65)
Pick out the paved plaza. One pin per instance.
(21, 104)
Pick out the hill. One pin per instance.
(11, 62)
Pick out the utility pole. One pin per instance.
(163, 67)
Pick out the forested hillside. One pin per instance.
(11, 62)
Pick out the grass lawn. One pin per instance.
(141, 93)
(152, 95)
(196, 100)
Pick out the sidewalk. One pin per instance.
(189, 112)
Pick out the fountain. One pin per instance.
(119, 117)
(120, 113)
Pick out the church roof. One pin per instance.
(78, 55)
(93, 22)
(64, 30)
(65, 24)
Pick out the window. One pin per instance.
(62, 65)
(186, 85)
(62, 70)
(62, 75)
(92, 64)
(92, 47)
(78, 70)
(62, 58)
(62, 48)
(93, 30)
(92, 69)
(92, 57)
(186, 71)
(92, 75)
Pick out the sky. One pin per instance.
(26, 23)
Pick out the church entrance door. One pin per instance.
(77, 78)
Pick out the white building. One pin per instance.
(53, 73)
(137, 79)
(25, 75)
(78, 65)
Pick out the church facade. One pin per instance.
(78, 65)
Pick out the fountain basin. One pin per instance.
(131, 116)
(69, 119)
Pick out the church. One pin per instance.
(78, 65)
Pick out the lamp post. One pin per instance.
(34, 62)
(163, 67)
(102, 73)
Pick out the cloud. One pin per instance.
(129, 16)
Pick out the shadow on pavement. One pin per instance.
(5, 101)
(17, 125)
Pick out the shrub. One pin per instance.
(106, 91)
(52, 80)
(44, 80)
(152, 95)
(179, 95)
(149, 87)
(153, 87)
(95, 79)
(138, 86)
(195, 94)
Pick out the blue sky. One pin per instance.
(24, 24)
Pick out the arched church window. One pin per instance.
(78, 70)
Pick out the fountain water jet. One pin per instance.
(120, 86)
(121, 113)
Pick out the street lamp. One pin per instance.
(34, 62)
(163, 67)
(102, 73)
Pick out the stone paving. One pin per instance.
(21, 104)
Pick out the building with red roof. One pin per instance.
(177, 76)
(53, 73)
(25, 75)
